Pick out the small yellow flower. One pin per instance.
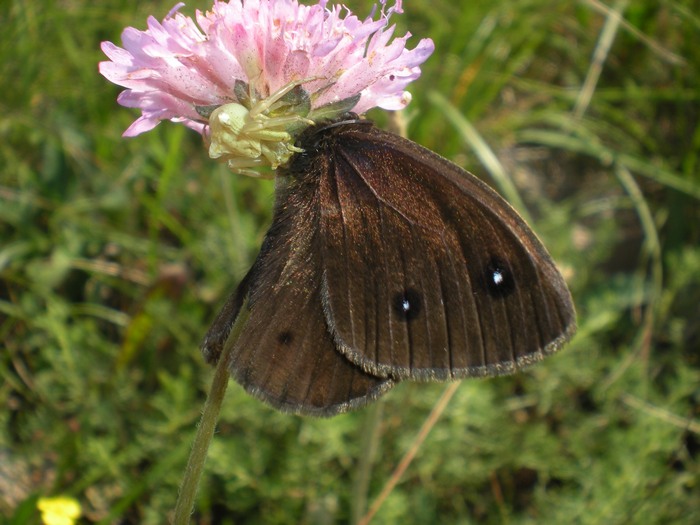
(60, 510)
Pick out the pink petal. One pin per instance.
(181, 62)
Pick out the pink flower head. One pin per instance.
(176, 68)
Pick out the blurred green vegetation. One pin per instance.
(115, 254)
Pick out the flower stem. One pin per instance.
(205, 430)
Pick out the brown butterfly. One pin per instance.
(386, 262)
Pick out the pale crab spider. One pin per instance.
(258, 135)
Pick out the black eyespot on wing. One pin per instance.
(285, 338)
(407, 304)
(499, 278)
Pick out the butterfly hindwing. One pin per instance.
(285, 354)
(427, 272)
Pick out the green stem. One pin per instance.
(369, 445)
(205, 430)
(428, 425)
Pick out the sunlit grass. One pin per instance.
(115, 254)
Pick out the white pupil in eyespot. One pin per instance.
(497, 277)
(406, 305)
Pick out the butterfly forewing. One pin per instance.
(375, 235)
(427, 272)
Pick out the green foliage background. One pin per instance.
(115, 254)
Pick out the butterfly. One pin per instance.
(385, 262)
